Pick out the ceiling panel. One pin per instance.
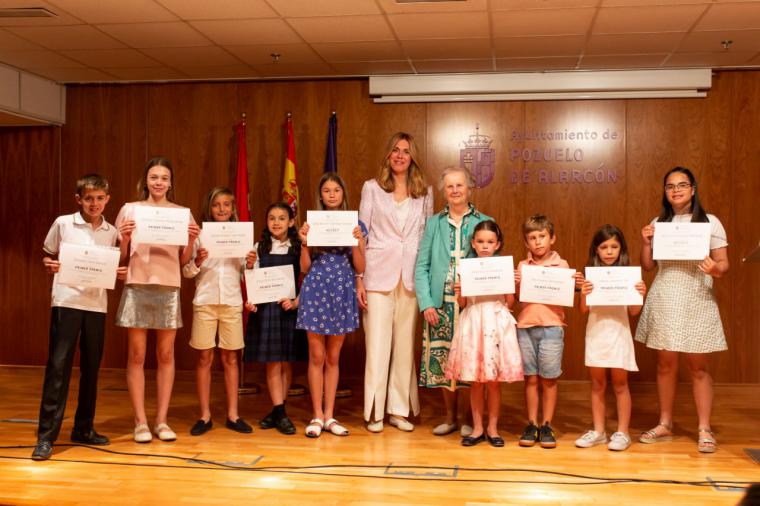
(247, 31)
(359, 51)
(342, 28)
(391, 7)
(78, 75)
(61, 17)
(229, 9)
(311, 8)
(740, 16)
(440, 25)
(622, 61)
(262, 54)
(500, 5)
(560, 45)
(115, 11)
(542, 22)
(67, 37)
(140, 35)
(191, 56)
(220, 72)
(730, 58)
(294, 70)
(38, 59)
(650, 18)
(444, 49)
(633, 43)
(742, 40)
(453, 66)
(373, 67)
(102, 58)
(147, 74)
(10, 42)
(536, 64)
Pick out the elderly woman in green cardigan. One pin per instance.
(446, 240)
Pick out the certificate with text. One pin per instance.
(332, 228)
(681, 241)
(88, 266)
(614, 286)
(270, 284)
(487, 276)
(547, 285)
(161, 225)
(227, 239)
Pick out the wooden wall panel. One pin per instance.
(114, 129)
(29, 178)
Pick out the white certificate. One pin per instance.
(547, 285)
(227, 239)
(614, 286)
(161, 225)
(487, 276)
(681, 241)
(270, 284)
(332, 228)
(88, 266)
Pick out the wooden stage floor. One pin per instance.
(223, 467)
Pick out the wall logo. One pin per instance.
(479, 157)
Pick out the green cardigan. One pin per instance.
(434, 256)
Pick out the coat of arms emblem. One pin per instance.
(479, 157)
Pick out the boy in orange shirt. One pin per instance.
(540, 333)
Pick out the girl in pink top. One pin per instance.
(150, 299)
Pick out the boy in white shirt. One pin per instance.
(76, 312)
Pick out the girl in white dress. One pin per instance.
(609, 344)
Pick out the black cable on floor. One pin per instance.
(313, 470)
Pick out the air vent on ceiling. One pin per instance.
(26, 12)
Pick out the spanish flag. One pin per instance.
(289, 183)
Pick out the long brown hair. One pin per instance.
(142, 184)
(334, 177)
(605, 233)
(415, 180)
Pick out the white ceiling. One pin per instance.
(156, 40)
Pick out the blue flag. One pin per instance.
(331, 151)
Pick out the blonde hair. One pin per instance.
(453, 170)
(415, 180)
(212, 194)
(331, 176)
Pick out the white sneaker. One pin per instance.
(591, 438)
(375, 426)
(619, 441)
(401, 423)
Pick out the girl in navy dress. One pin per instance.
(272, 336)
(328, 308)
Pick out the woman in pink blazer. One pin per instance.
(394, 207)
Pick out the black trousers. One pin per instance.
(66, 325)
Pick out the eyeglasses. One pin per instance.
(679, 186)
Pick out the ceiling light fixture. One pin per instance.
(609, 84)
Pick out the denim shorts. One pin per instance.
(541, 349)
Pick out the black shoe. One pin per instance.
(496, 441)
(285, 426)
(472, 441)
(89, 438)
(530, 435)
(201, 427)
(239, 425)
(546, 438)
(268, 422)
(42, 450)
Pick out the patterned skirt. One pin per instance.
(272, 336)
(680, 313)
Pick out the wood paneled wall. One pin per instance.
(114, 129)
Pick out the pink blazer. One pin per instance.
(391, 251)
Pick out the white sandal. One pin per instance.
(314, 429)
(164, 432)
(335, 428)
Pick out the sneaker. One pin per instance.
(619, 441)
(591, 438)
(546, 436)
(530, 435)
(42, 450)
